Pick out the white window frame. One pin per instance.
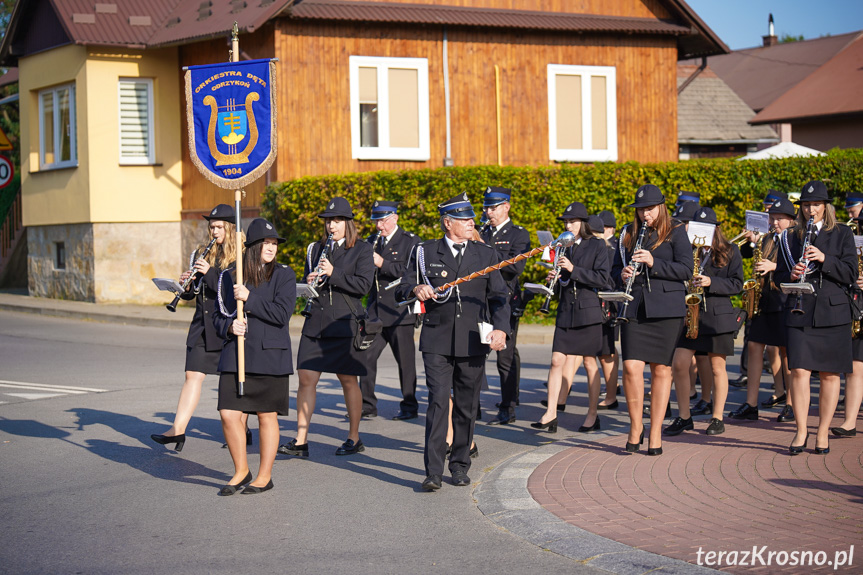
(586, 154)
(151, 151)
(73, 137)
(383, 151)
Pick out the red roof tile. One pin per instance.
(833, 89)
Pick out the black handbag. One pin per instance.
(740, 320)
(367, 328)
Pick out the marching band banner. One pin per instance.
(231, 116)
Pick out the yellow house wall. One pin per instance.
(123, 193)
(52, 196)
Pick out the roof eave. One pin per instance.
(756, 121)
(722, 142)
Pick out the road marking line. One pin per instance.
(66, 388)
(33, 387)
(34, 395)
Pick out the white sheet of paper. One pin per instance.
(306, 291)
(701, 233)
(757, 221)
(165, 284)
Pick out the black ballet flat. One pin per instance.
(587, 428)
(612, 405)
(774, 401)
(798, 449)
(252, 490)
(842, 432)
(178, 440)
(551, 426)
(229, 489)
(633, 447)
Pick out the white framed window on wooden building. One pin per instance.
(57, 140)
(582, 113)
(389, 108)
(135, 96)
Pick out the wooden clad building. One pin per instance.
(362, 86)
(523, 83)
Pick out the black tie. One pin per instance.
(459, 248)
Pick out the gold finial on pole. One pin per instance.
(235, 43)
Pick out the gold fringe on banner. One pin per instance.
(247, 179)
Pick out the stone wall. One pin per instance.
(128, 255)
(105, 263)
(76, 282)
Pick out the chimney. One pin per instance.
(770, 39)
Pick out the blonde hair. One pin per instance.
(829, 219)
(223, 256)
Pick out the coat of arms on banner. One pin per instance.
(231, 115)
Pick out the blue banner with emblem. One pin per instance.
(231, 116)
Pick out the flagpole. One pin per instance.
(238, 196)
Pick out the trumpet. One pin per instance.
(555, 276)
(694, 296)
(319, 279)
(636, 269)
(740, 238)
(172, 307)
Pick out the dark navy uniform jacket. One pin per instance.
(509, 242)
(772, 300)
(721, 315)
(353, 270)
(578, 304)
(661, 288)
(450, 328)
(382, 303)
(829, 305)
(268, 311)
(205, 307)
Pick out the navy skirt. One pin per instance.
(720, 344)
(584, 340)
(261, 393)
(332, 355)
(651, 340)
(200, 360)
(827, 349)
(768, 328)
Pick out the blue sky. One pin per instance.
(742, 23)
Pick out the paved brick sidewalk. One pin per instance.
(721, 493)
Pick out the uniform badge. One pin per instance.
(703, 215)
(213, 213)
(269, 227)
(811, 189)
(443, 274)
(333, 205)
(377, 204)
(641, 193)
(569, 208)
(777, 203)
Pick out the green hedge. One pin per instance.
(539, 194)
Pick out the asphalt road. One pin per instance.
(86, 491)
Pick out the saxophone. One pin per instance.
(752, 286)
(694, 297)
(856, 328)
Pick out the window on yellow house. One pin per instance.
(136, 121)
(582, 113)
(389, 108)
(57, 141)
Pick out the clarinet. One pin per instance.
(172, 307)
(807, 240)
(555, 276)
(319, 279)
(636, 269)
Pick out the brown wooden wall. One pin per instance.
(627, 8)
(314, 102)
(314, 61)
(199, 195)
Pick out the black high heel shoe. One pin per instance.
(587, 428)
(633, 447)
(654, 450)
(229, 489)
(178, 440)
(822, 450)
(797, 449)
(551, 426)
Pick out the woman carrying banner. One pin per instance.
(203, 344)
(269, 291)
(326, 345)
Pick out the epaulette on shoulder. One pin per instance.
(411, 234)
(519, 227)
(284, 266)
(483, 244)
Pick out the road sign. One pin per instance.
(6, 171)
(5, 144)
